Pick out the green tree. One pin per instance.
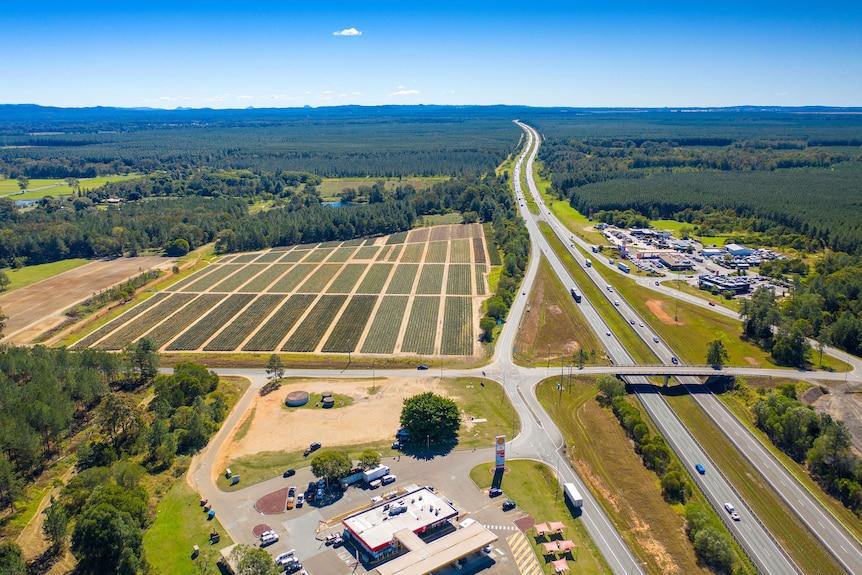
(143, 356)
(487, 325)
(716, 354)
(330, 465)
(581, 357)
(759, 314)
(106, 541)
(253, 561)
(11, 559)
(431, 417)
(10, 483)
(714, 548)
(56, 525)
(23, 183)
(117, 419)
(274, 368)
(611, 386)
(369, 459)
(4, 281)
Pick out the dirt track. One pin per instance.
(34, 309)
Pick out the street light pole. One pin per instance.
(549, 356)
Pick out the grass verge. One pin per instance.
(180, 524)
(530, 483)
(479, 399)
(630, 494)
(791, 534)
(555, 328)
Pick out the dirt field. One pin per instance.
(843, 402)
(655, 306)
(37, 308)
(372, 417)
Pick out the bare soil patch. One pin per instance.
(842, 402)
(272, 503)
(34, 309)
(372, 417)
(655, 306)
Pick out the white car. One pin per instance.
(285, 558)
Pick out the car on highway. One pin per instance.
(729, 508)
(607, 333)
(617, 302)
(655, 339)
(735, 516)
(712, 303)
(674, 360)
(289, 473)
(656, 283)
(421, 367)
(700, 468)
(640, 324)
(508, 505)
(495, 492)
(631, 321)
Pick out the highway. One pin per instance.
(760, 545)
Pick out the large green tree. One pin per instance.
(611, 386)
(56, 525)
(11, 559)
(369, 459)
(252, 561)
(106, 541)
(716, 354)
(430, 417)
(330, 465)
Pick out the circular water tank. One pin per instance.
(296, 398)
(328, 402)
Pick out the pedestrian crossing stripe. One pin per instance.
(501, 527)
(523, 554)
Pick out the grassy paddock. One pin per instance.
(330, 188)
(791, 534)
(180, 524)
(31, 274)
(39, 188)
(441, 219)
(529, 484)
(487, 401)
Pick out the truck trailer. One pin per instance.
(576, 295)
(376, 473)
(573, 495)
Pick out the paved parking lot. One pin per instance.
(303, 529)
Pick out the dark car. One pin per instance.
(312, 485)
(396, 445)
(495, 492)
(289, 473)
(508, 504)
(422, 366)
(314, 446)
(700, 468)
(674, 360)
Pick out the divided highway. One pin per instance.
(760, 545)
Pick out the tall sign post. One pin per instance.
(501, 452)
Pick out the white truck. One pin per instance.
(375, 473)
(573, 495)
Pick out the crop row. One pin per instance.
(346, 333)
(431, 280)
(120, 320)
(457, 327)
(239, 329)
(291, 279)
(318, 280)
(270, 256)
(193, 278)
(309, 333)
(197, 334)
(460, 280)
(353, 242)
(167, 330)
(493, 252)
(383, 333)
(211, 279)
(384, 254)
(480, 279)
(145, 321)
(460, 253)
(413, 253)
(397, 238)
(318, 255)
(347, 279)
(366, 253)
(370, 242)
(293, 256)
(375, 279)
(342, 254)
(265, 278)
(478, 251)
(422, 326)
(402, 279)
(246, 258)
(243, 275)
(330, 244)
(273, 331)
(437, 253)
(394, 254)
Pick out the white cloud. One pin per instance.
(348, 32)
(405, 93)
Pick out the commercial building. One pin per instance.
(736, 284)
(738, 251)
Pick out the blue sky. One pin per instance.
(286, 53)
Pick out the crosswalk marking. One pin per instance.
(523, 554)
(501, 527)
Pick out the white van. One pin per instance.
(387, 479)
(374, 484)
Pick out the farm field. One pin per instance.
(40, 306)
(323, 298)
(39, 188)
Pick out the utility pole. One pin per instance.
(549, 356)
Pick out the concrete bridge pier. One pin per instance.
(666, 379)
